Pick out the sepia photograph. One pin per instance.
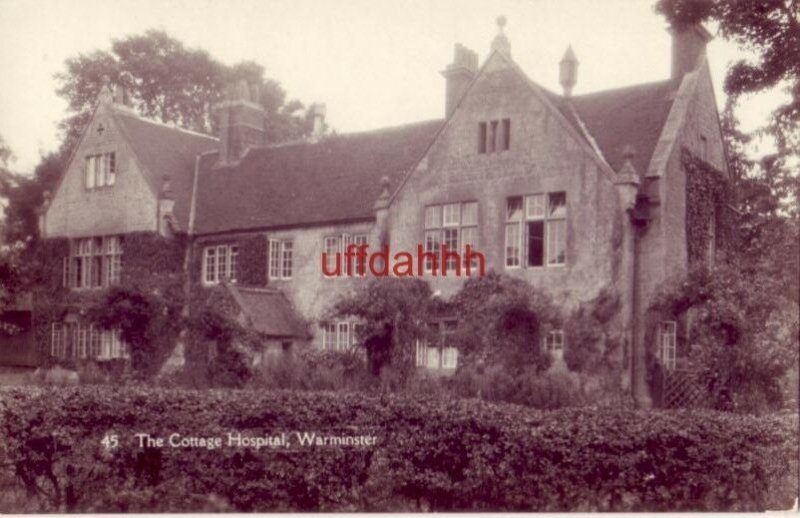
(399, 256)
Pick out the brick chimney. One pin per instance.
(458, 75)
(688, 45)
(240, 117)
(318, 117)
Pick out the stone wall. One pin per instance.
(127, 206)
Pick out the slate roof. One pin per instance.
(166, 150)
(633, 115)
(269, 312)
(335, 179)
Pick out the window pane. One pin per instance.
(452, 214)
(481, 137)
(506, 134)
(433, 216)
(556, 241)
(274, 259)
(331, 249)
(288, 250)
(211, 264)
(89, 172)
(234, 262)
(534, 206)
(536, 243)
(469, 213)
(492, 137)
(222, 262)
(514, 208)
(344, 336)
(451, 242)
(512, 244)
(557, 205)
(111, 170)
(432, 244)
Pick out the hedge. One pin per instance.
(430, 455)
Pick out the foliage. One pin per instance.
(743, 334)
(708, 195)
(548, 390)
(313, 369)
(172, 83)
(502, 321)
(431, 455)
(394, 313)
(770, 31)
(588, 341)
(23, 197)
(6, 155)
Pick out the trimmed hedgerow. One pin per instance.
(430, 455)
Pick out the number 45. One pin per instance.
(110, 441)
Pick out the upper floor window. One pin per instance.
(94, 262)
(536, 230)
(667, 344)
(100, 170)
(494, 136)
(281, 259)
(220, 263)
(455, 226)
(355, 265)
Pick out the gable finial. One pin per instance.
(500, 42)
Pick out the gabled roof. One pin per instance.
(268, 311)
(166, 150)
(334, 180)
(633, 115)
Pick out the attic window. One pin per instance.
(494, 136)
(100, 170)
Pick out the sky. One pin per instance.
(374, 63)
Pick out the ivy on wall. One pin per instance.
(707, 194)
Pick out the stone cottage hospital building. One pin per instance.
(571, 193)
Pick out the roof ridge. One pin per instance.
(136, 116)
(621, 89)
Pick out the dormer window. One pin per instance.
(100, 170)
(494, 136)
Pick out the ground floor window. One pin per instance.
(85, 341)
(438, 353)
(667, 344)
(339, 335)
(554, 344)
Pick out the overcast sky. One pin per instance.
(373, 62)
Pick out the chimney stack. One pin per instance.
(688, 45)
(240, 117)
(568, 71)
(458, 76)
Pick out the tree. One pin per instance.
(770, 31)
(743, 334)
(5, 154)
(502, 321)
(164, 80)
(394, 313)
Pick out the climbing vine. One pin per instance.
(708, 193)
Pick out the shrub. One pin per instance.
(548, 390)
(431, 455)
(313, 369)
